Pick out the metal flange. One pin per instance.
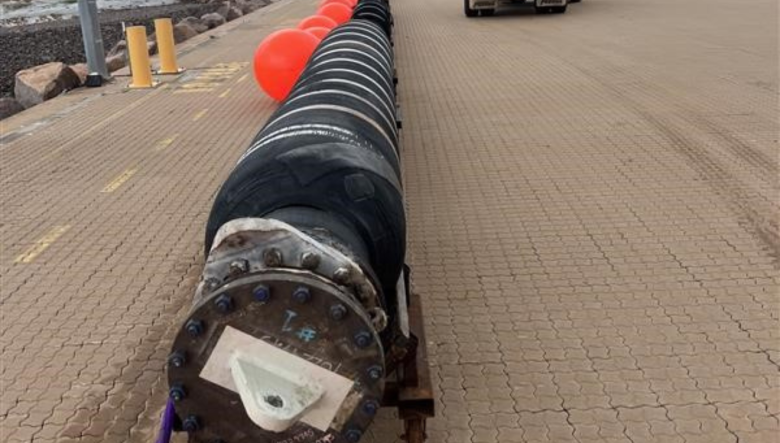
(247, 245)
(297, 312)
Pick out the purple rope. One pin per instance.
(166, 427)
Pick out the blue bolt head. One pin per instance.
(353, 435)
(302, 294)
(194, 328)
(363, 339)
(177, 359)
(177, 393)
(375, 372)
(370, 407)
(338, 312)
(191, 424)
(224, 303)
(262, 294)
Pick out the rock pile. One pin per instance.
(37, 84)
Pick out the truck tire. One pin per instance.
(558, 9)
(487, 12)
(467, 10)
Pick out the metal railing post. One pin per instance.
(93, 40)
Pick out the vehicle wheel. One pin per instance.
(467, 10)
(558, 9)
(488, 12)
(574, 1)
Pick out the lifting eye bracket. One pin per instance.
(273, 397)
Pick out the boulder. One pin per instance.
(151, 46)
(81, 70)
(212, 20)
(243, 5)
(183, 32)
(229, 11)
(40, 83)
(116, 62)
(9, 106)
(119, 47)
(196, 24)
(233, 13)
(223, 10)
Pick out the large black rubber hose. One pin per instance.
(376, 11)
(329, 155)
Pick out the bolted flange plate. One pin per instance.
(299, 313)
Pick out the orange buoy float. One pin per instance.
(318, 31)
(280, 59)
(317, 21)
(350, 3)
(340, 13)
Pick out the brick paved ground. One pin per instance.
(593, 204)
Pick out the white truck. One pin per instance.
(472, 8)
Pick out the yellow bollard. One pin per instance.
(163, 29)
(139, 57)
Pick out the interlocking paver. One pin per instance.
(592, 204)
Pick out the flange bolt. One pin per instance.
(177, 359)
(341, 275)
(224, 303)
(353, 435)
(191, 423)
(262, 293)
(273, 257)
(238, 267)
(302, 294)
(211, 284)
(338, 312)
(310, 260)
(177, 392)
(375, 372)
(370, 407)
(363, 339)
(194, 328)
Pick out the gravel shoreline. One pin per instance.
(25, 46)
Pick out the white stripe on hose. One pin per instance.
(365, 24)
(375, 31)
(340, 133)
(357, 97)
(332, 45)
(293, 130)
(388, 117)
(352, 65)
(312, 129)
(378, 33)
(332, 51)
(328, 42)
(343, 109)
(389, 110)
(389, 87)
(380, 43)
(367, 13)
